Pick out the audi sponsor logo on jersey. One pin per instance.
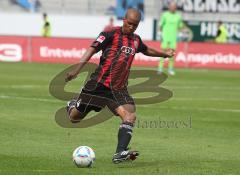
(10, 52)
(128, 50)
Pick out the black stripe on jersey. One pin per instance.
(114, 60)
(99, 71)
(126, 60)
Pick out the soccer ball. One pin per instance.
(83, 156)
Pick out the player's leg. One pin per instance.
(171, 70)
(128, 117)
(122, 104)
(78, 109)
(74, 113)
(164, 45)
(88, 100)
(160, 65)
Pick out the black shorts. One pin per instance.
(95, 96)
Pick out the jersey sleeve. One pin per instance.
(162, 21)
(180, 22)
(142, 47)
(102, 40)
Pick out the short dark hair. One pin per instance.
(133, 10)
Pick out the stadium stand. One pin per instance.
(152, 8)
(76, 6)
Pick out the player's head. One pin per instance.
(44, 16)
(219, 23)
(172, 7)
(131, 21)
(111, 20)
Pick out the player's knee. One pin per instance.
(130, 118)
(75, 116)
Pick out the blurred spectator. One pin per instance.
(14, 1)
(222, 33)
(109, 25)
(46, 29)
(31, 5)
(111, 10)
(36, 5)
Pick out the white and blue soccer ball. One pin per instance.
(83, 156)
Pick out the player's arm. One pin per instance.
(155, 53)
(85, 58)
(96, 46)
(161, 22)
(181, 25)
(218, 32)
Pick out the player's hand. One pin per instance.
(170, 52)
(70, 75)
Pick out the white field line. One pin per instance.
(204, 99)
(190, 108)
(29, 86)
(203, 87)
(148, 106)
(173, 98)
(28, 98)
(26, 86)
(44, 171)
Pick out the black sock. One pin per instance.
(124, 136)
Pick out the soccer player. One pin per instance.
(46, 29)
(222, 33)
(110, 25)
(169, 24)
(108, 84)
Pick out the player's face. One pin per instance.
(130, 25)
(173, 7)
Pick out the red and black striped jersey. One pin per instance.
(118, 50)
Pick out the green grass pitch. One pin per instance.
(208, 142)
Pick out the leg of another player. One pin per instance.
(171, 66)
(165, 45)
(171, 60)
(160, 65)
